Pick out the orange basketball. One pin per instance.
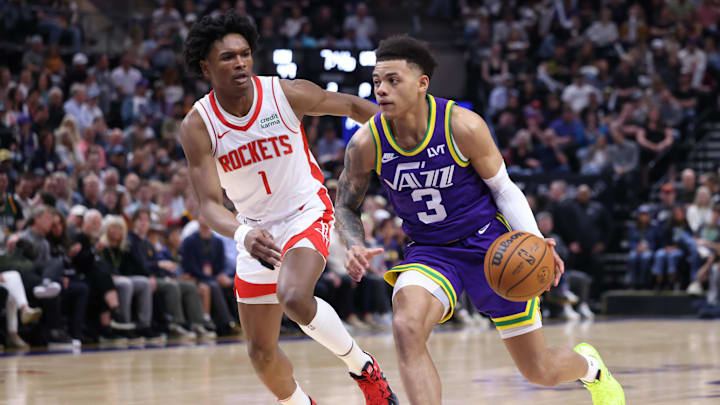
(519, 266)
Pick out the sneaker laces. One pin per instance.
(373, 383)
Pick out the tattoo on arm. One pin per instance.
(351, 192)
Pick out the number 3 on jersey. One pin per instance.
(434, 203)
(265, 181)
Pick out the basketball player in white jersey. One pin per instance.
(245, 136)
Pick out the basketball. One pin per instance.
(519, 266)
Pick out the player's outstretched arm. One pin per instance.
(475, 143)
(203, 175)
(352, 186)
(206, 184)
(307, 98)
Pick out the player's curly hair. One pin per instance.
(409, 49)
(205, 32)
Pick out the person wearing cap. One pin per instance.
(642, 238)
(75, 220)
(77, 73)
(663, 210)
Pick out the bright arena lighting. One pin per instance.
(332, 86)
(282, 56)
(287, 70)
(364, 90)
(367, 58)
(343, 60)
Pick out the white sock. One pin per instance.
(593, 367)
(327, 329)
(299, 397)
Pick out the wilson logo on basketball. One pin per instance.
(256, 151)
(503, 247)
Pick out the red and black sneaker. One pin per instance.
(374, 386)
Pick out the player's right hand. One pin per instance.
(357, 260)
(261, 245)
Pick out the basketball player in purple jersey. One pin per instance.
(446, 179)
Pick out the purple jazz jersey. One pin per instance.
(448, 213)
(435, 191)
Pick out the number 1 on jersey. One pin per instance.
(265, 181)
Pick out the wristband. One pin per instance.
(241, 232)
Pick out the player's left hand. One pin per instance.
(357, 260)
(559, 264)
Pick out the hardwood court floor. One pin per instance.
(658, 362)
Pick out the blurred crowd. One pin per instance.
(99, 237)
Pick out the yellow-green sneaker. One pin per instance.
(606, 390)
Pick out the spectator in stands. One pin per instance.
(75, 291)
(203, 258)
(180, 298)
(132, 281)
(693, 61)
(494, 68)
(17, 301)
(363, 25)
(569, 130)
(709, 248)
(34, 58)
(675, 242)
(577, 95)
(329, 146)
(104, 304)
(686, 192)
(11, 214)
(573, 281)
(699, 213)
(596, 157)
(547, 156)
(293, 24)
(75, 105)
(125, 77)
(642, 240)
(655, 138)
(686, 95)
(197, 309)
(91, 193)
(144, 200)
(45, 273)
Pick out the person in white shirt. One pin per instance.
(577, 95)
(125, 77)
(75, 105)
(693, 61)
(363, 24)
(604, 32)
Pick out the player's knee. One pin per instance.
(296, 303)
(408, 331)
(262, 355)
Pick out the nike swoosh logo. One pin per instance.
(223, 134)
(483, 229)
(387, 158)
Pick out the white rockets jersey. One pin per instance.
(263, 159)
